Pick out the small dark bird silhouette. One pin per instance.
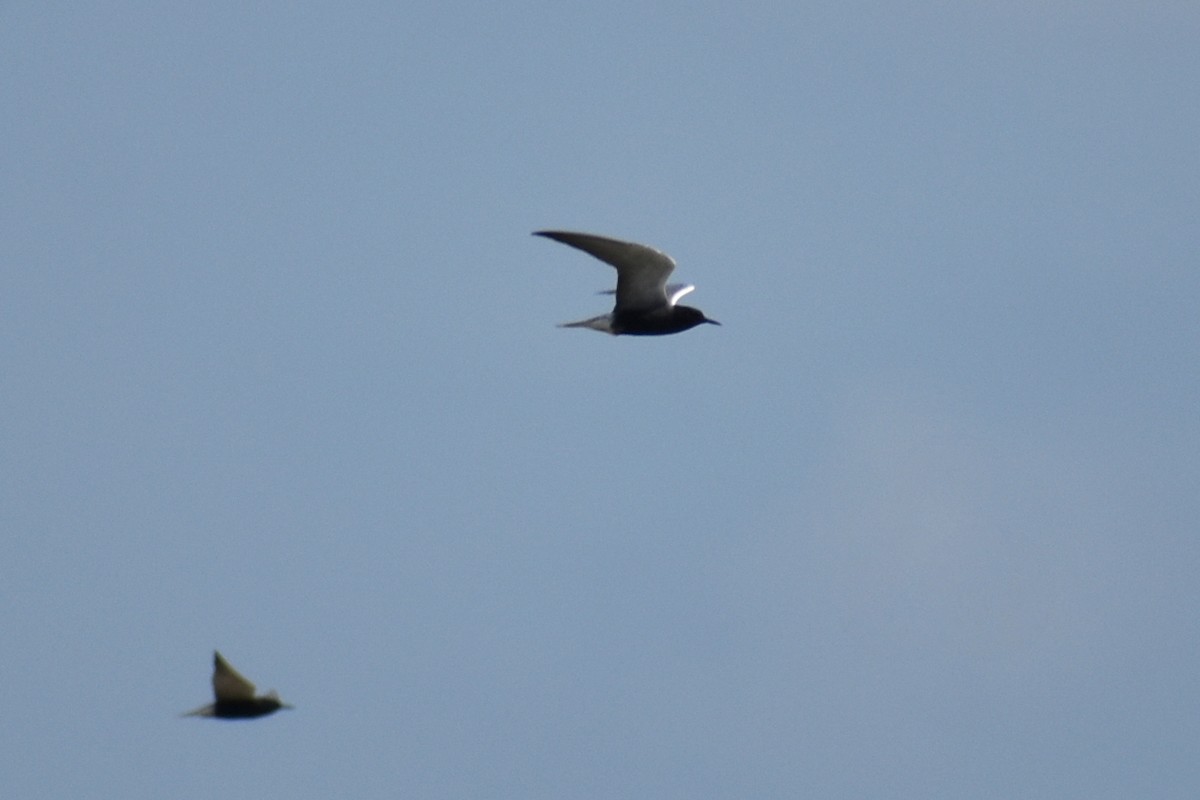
(235, 697)
(645, 303)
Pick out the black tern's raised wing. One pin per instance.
(645, 303)
(228, 683)
(641, 271)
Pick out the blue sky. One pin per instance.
(281, 377)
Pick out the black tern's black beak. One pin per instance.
(711, 321)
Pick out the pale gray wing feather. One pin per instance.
(228, 683)
(203, 711)
(641, 271)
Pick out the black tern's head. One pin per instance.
(688, 317)
(234, 695)
(646, 304)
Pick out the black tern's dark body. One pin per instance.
(246, 709)
(660, 322)
(234, 696)
(645, 303)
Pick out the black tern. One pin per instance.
(235, 695)
(645, 302)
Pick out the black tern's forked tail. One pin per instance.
(646, 304)
(234, 695)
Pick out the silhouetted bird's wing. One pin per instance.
(228, 683)
(641, 271)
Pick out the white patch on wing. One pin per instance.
(678, 290)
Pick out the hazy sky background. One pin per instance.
(279, 375)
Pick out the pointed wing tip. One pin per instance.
(558, 236)
(203, 711)
(602, 323)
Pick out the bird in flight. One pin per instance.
(235, 698)
(646, 303)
